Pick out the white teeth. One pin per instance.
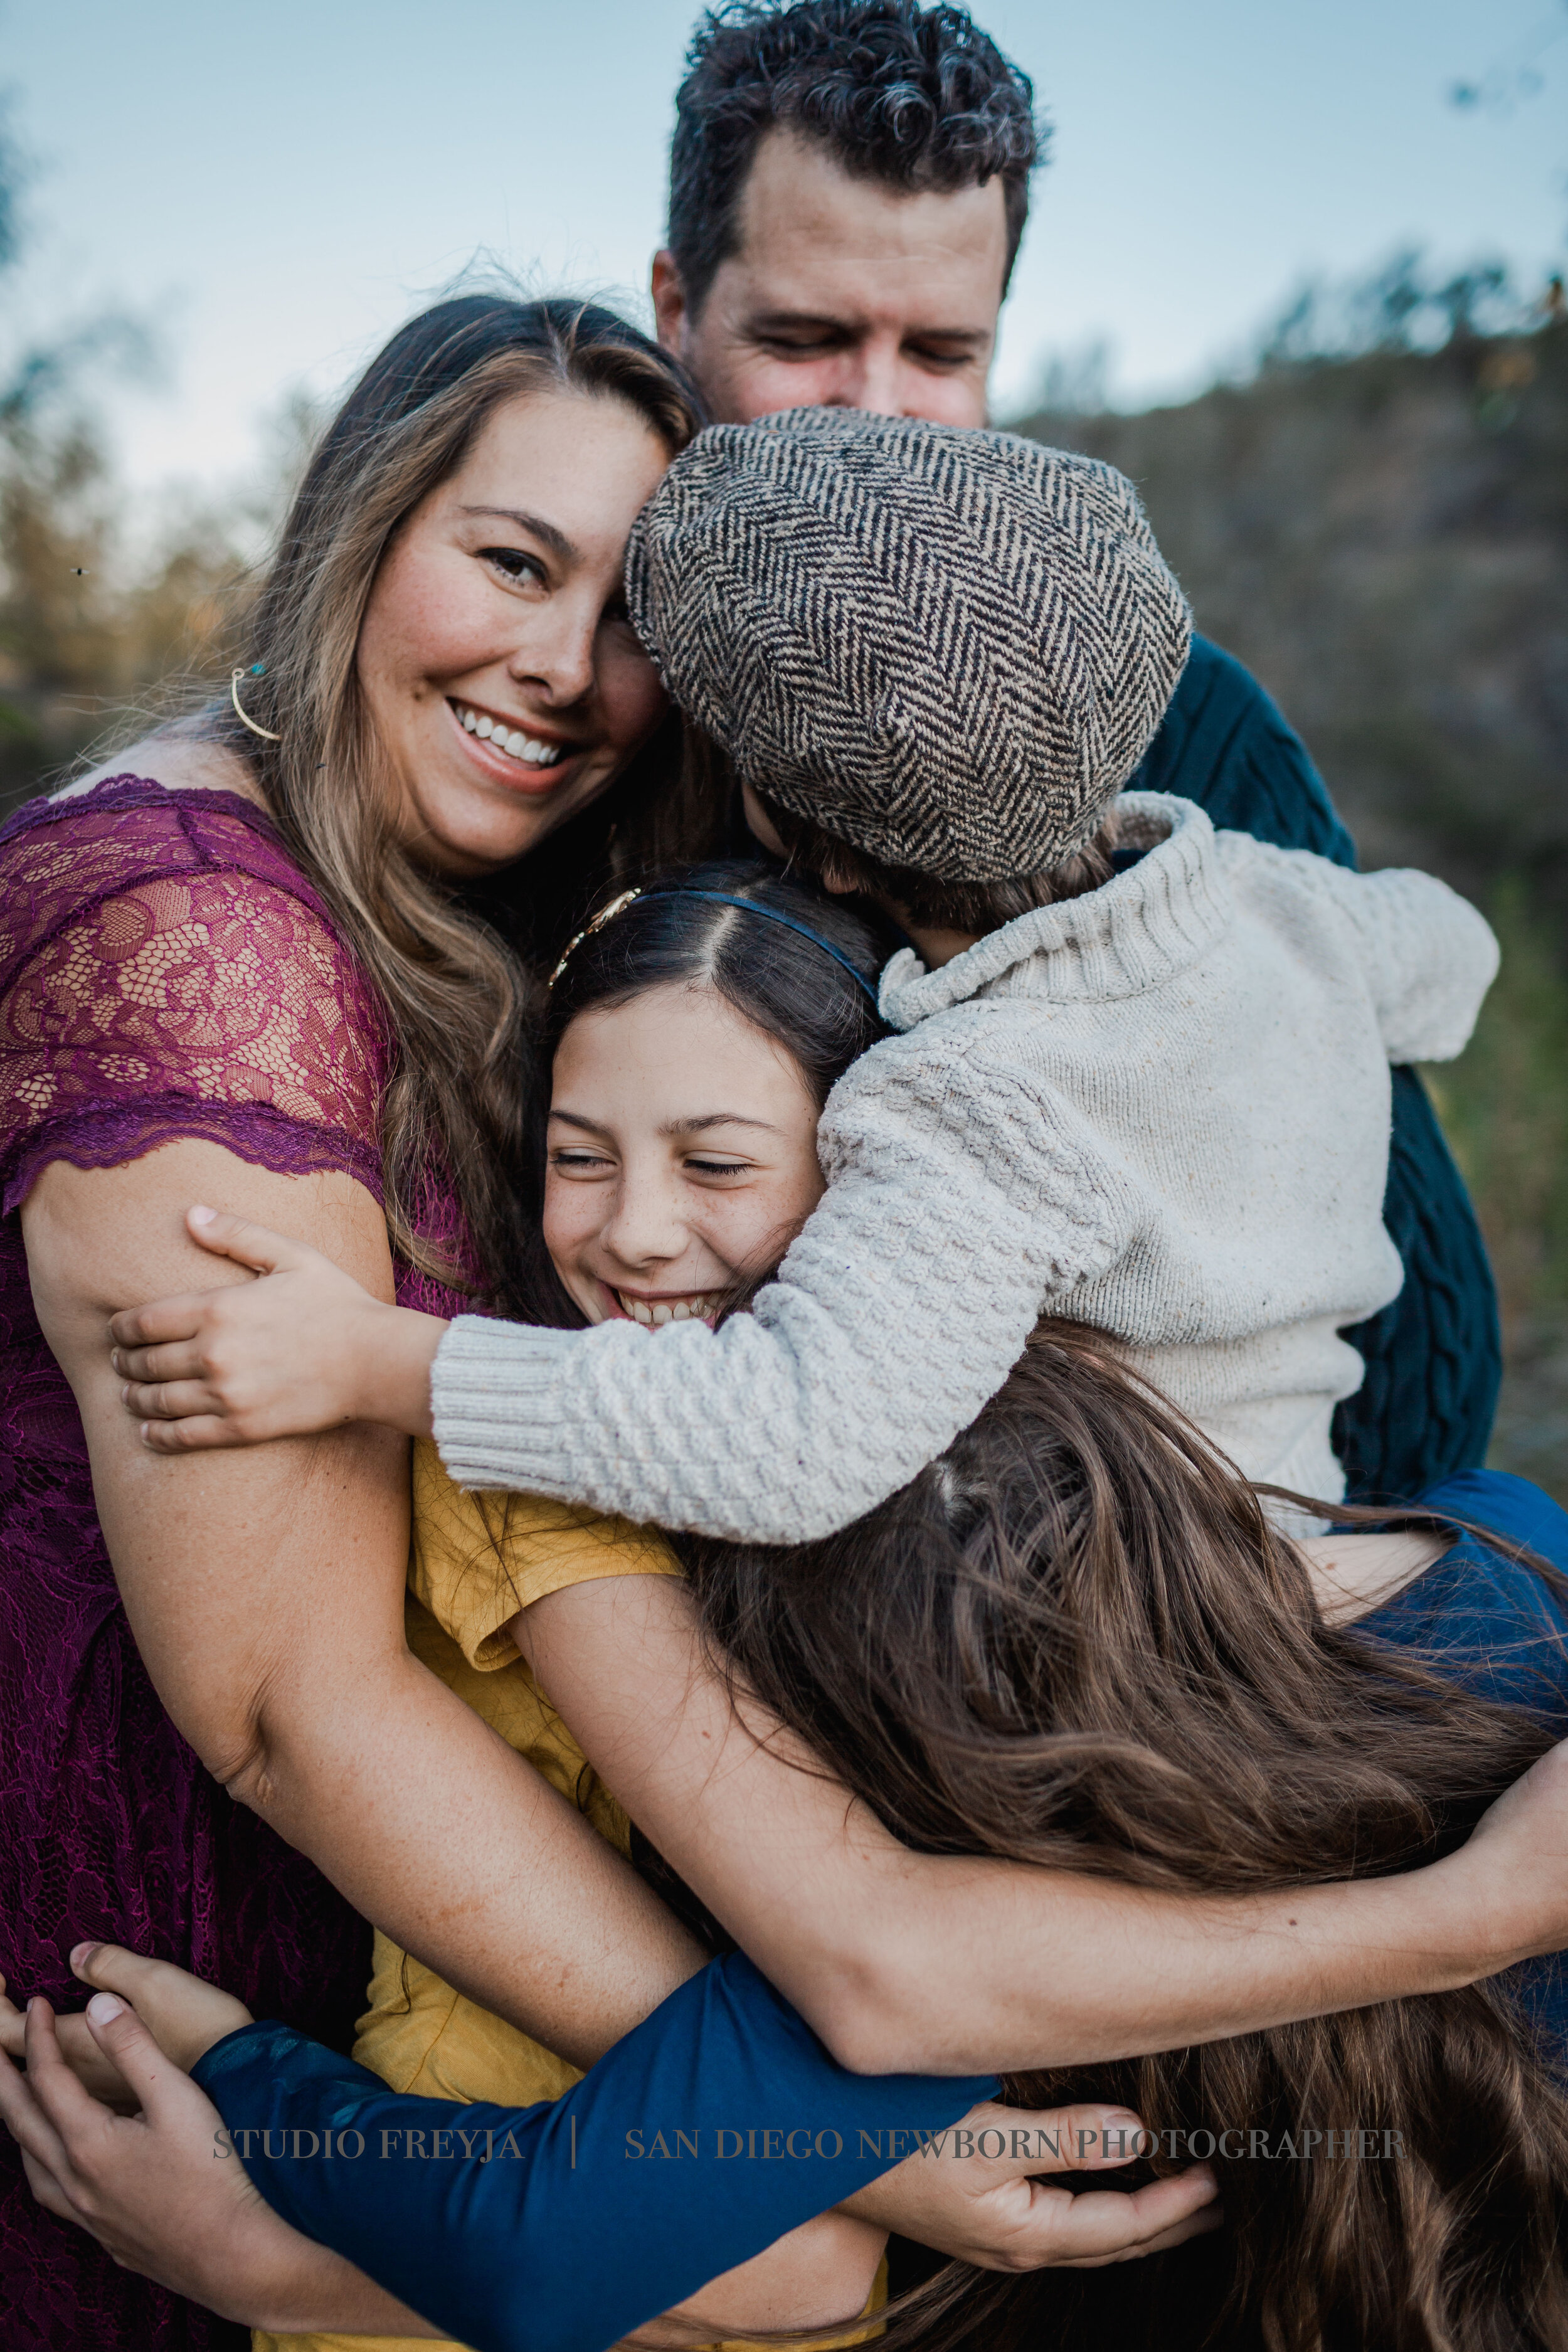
(529, 749)
(653, 1314)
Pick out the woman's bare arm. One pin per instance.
(947, 1965)
(265, 1589)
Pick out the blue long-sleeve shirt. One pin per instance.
(716, 2126)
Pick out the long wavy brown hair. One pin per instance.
(1077, 1641)
(456, 990)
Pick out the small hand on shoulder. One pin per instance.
(1510, 1878)
(302, 1348)
(999, 2211)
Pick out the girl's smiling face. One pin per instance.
(681, 1157)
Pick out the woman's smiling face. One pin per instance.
(500, 673)
(682, 1156)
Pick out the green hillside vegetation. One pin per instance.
(1381, 536)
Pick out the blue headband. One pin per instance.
(722, 898)
(772, 915)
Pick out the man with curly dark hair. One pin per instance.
(850, 181)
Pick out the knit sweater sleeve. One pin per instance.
(1427, 955)
(962, 1195)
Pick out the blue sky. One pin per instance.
(280, 185)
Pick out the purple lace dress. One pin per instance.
(165, 971)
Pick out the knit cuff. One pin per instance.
(496, 1403)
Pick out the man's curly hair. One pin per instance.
(919, 98)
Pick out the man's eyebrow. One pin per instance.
(799, 319)
(775, 322)
(553, 538)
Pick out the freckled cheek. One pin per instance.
(426, 621)
(574, 1215)
(748, 1229)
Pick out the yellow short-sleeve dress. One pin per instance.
(475, 1560)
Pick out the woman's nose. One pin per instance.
(558, 652)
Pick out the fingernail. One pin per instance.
(201, 1214)
(104, 2008)
(114, 1359)
(82, 1954)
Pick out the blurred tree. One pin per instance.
(1467, 300)
(1396, 307)
(88, 623)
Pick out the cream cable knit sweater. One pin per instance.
(1162, 1109)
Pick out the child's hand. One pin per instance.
(148, 2189)
(305, 1349)
(995, 2211)
(93, 2068)
(1512, 1874)
(183, 2014)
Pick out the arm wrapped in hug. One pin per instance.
(953, 1177)
(718, 2125)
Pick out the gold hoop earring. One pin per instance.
(258, 669)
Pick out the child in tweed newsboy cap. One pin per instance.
(949, 649)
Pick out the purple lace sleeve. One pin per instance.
(165, 971)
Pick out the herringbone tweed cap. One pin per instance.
(950, 648)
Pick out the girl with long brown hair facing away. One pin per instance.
(1077, 1641)
(1064, 1712)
